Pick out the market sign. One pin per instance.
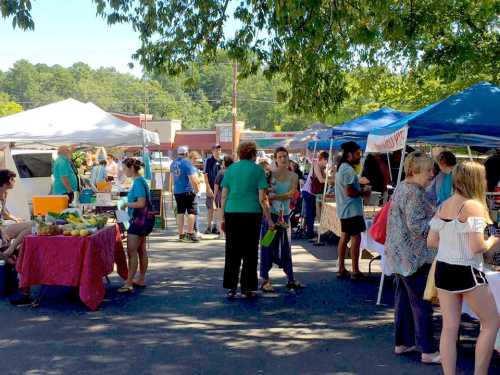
(387, 142)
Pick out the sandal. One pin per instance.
(435, 360)
(267, 287)
(125, 289)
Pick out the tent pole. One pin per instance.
(328, 166)
(389, 164)
(401, 163)
(470, 153)
(314, 150)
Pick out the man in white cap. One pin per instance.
(185, 189)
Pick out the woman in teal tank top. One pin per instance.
(283, 188)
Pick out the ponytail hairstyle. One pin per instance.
(347, 148)
(469, 181)
(134, 163)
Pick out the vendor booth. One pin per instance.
(68, 122)
(468, 118)
(72, 249)
(356, 130)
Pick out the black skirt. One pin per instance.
(458, 279)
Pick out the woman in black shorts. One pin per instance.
(457, 230)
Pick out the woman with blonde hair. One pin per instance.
(457, 230)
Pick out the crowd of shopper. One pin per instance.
(437, 215)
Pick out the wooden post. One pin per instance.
(234, 108)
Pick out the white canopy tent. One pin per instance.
(70, 122)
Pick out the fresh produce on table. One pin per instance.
(70, 224)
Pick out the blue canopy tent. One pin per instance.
(335, 143)
(470, 117)
(357, 129)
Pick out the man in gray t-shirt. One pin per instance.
(348, 196)
(347, 206)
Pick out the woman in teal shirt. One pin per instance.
(243, 202)
(137, 198)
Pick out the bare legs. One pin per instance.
(451, 309)
(344, 240)
(143, 263)
(355, 243)
(342, 247)
(190, 222)
(210, 218)
(137, 258)
(180, 224)
(482, 303)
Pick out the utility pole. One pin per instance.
(235, 139)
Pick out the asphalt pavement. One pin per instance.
(183, 324)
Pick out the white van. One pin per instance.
(34, 168)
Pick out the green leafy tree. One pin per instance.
(7, 106)
(312, 45)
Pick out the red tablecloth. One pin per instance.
(72, 261)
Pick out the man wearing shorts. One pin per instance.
(185, 189)
(348, 196)
(212, 167)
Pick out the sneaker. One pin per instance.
(192, 237)
(24, 300)
(208, 231)
(184, 237)
(215, 230)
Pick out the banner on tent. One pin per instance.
(387, 142)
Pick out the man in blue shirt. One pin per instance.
(185, 189)
(65, 178)
(348, 197)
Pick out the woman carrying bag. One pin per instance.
(141, 225)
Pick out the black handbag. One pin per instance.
(143, 219)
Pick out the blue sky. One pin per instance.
(68, 31)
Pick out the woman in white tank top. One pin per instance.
(457, 231)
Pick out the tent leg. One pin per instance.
(401, 164)
(470, 153)
(389, 164)
(380, 288)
